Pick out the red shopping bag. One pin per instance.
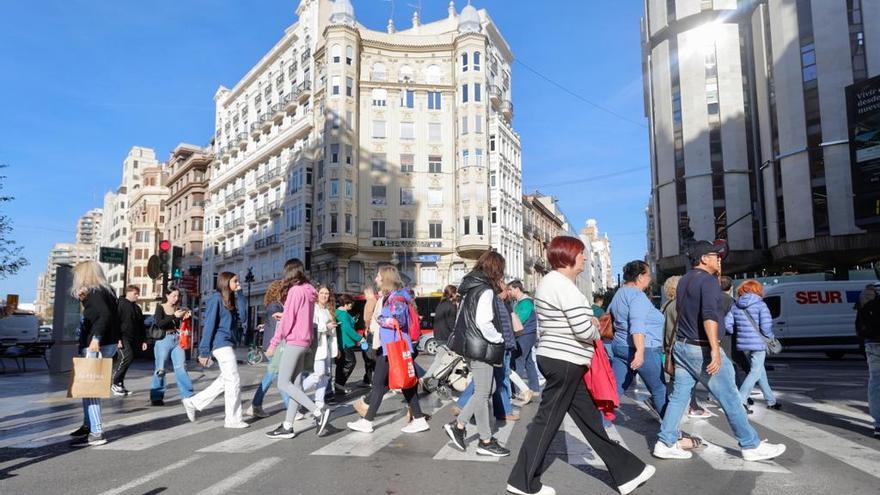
(401, 369)
(186, 334)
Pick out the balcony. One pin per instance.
(224, 153)
(263, 182)
(495, 94)
(233, 148)
(507, 109)
(274, 175)
(262, 213)
(242, 140)
(304, 90)
(256, 130)
(267, 242)
(289, 102)
(266, 122)
(306, 56)
(238, 195)
(238, 224)
(278, 112)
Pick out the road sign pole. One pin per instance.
(124, 270)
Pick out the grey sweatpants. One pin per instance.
(290, 380)
(478, 406)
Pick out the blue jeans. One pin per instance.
(163, 349)
(757, 374)
(651, 372)
(92, 407)
(501, 404)
(690, 367)
(872, 352)
(269, 378)
(525, 363)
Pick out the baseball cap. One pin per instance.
(702, 248)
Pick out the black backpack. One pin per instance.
(868, 320)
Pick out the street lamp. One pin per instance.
(249, 278)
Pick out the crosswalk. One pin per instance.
(167, 426)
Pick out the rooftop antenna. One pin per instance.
(417, 6)
(392, 8)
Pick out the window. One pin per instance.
(435, 230)
(348, 227)
(349, 85)
(467, 225)
(774, 305)
(334, 85)
(378, 162)
(465, 154)
(464, 125)
(334, 223)
(435, 197)
(434, 134)
(407, 195)
(407, 229)
(308, 212)
(428, 275)
(407, 162)
(464, 93)
(379, 96)
(349, 189)
(334, 153)
(493, 214)
(378, 73)
(464, 62)
(407, 98)
(379, 228)
(378, 195)
(479, 225)
(407, 130)
(434, 100)
(478, 157)
(334, 188)
(478, 124)
(349, 121)
(435, 164)
(492, 179)
(478, 91)
(336, 53)
(309, 176)
(349, 55)
(433, 74)
(319, 232)
(492, 142)
(379, 129)
(476, 61)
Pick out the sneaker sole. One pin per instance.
(97, 443)
(686, 455)
(286, 436)
(360, 431)
(481, 451)
(325, 419)
(765, 457)
(451, 435)
(426, 428)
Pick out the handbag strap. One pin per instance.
(754, 323)
(678, 312)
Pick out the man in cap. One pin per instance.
(698, 358)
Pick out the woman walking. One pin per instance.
(565, 349)
(222, 324)
(325, 349)
(274, 307)
(350, 340)
(638, 336)
(168, 317)
(750, 320)
(99, 337)
(295, 331)
(393, 313)
(479, 339)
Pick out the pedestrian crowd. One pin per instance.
(514, 349)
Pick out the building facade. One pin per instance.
(351, 148)
(60, 254)
(541, 223)
(749, 139)
(88, 227)
(186, 179)
(146, 218)
(601, 271)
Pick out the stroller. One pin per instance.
(452, 374)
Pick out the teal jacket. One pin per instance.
(350, 337)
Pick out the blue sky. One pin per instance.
(83, 81)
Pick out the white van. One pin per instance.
(816, 316)
(19, 328)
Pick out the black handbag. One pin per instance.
(155, 333)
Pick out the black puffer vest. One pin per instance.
(467, 340)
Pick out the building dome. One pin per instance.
(342, 13)
(469, 20)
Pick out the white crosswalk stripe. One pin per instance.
(151, 476)
(148, 440)
(241, 477)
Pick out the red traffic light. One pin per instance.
(165, 245)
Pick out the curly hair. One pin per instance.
(274, 293)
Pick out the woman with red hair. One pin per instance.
(750, 320)
(568, 332)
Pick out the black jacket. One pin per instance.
(100, 319)
(467, 340)
(163, 320)
(868, 321)
(444, 320)
(131, 321)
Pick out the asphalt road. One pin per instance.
(153, 450)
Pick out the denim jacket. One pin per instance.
(221, 327)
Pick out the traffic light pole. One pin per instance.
(124, 270)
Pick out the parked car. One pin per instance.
(19, 328)
(45, 334)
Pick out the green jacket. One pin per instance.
(350, 337)
(524, 309)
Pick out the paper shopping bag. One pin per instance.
(90, 378)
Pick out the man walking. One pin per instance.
(698, 357)
(131, 326)
(525, 365)
(868, 328)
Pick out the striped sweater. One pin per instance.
(565, 321)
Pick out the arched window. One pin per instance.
(336, 53)
(349, 55)
(378, 72)
(476, 61)
(433, 75)
(406, 73)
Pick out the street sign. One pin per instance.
(427, 258)
(113, 256)
(154, 267)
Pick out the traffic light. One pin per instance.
(176, 261)
(164, 263)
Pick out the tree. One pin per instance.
(11, 260)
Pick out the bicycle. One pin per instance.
(255, 353)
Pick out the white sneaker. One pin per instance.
(626, 488)
(416, 426)
(764, 451)
(239, 425)
(662, 451)
(361, 425)
(256, 412)
(545, 490)
(298, 416)
(189, 408)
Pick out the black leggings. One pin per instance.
(345, 364)
(126, 356)
(380, 386)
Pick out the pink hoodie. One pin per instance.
(295, 326)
